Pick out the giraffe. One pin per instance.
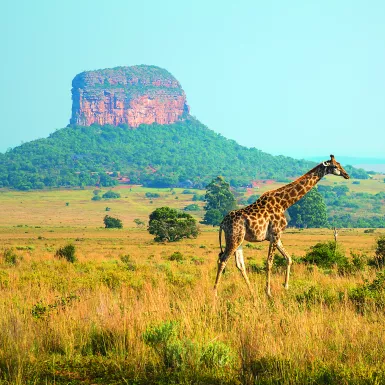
(264, 220)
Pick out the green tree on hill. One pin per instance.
(309, 211)
(219, 201)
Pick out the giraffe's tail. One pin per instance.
(220, 242)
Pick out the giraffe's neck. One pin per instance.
(294, 191)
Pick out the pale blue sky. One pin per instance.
(298, 78)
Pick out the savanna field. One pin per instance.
(130, 310)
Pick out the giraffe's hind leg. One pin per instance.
(286, 255)
(233, 241)
(241, 266)
(222, 262)
(269, 265)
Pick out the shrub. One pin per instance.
(192, 207)
(314, 296)
(10, 258)
(112, 223)
(128, 263)
(359, 261)
(162, 339)
(96, 198)
(67, 252)
(171, 225)
(111, 195)
(152, 195)
(198, 197)
(139, 222)
(217, 355)
(181, 353)
(177, 256)
(40, 309)
(369, 295)
(326, 255)
(380, 250)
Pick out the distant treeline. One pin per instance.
(184, 154)
(353, 209)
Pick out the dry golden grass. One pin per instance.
(84, 322)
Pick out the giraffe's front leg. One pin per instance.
(286, 255)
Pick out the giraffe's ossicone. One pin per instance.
(264, 220)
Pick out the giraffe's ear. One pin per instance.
(326, 164)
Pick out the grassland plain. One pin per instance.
(134, 311)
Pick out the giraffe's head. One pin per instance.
(335, 168)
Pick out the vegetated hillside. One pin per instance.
(185, 152)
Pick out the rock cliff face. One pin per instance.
(127, 95)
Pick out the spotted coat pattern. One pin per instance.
(265, 220)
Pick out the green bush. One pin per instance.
(326, 255)
(217, 355)
(67, 252)
(358, 263)
(177, 256)
(139, 222)
(96, 198)
(111, 195)
(198, 197)
(192, 207)
(379, 258)
(112, 223)
(128, 263)
(182, 353)
(10, 258)
(369, 296)
(152, 195)
(314, 296)
(171, 225)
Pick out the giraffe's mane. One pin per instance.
(291, 184)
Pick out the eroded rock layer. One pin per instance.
(127, 95)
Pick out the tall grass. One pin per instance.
(126, 312)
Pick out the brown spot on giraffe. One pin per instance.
(240, 225)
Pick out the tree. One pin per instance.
(111, 195)
(112, 223)
(310, 211)
(192, 207)
(219, 201)
(341, 190)
(171, 225)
